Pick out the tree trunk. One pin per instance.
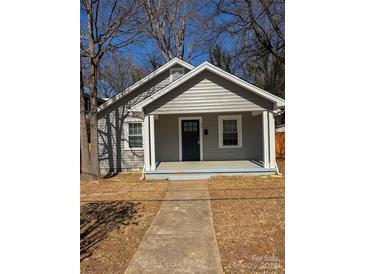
(84, 146)
(94, 151)
(93, 120)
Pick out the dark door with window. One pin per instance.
(190, 140)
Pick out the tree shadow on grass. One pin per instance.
(98, 219)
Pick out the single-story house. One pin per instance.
(182, 122)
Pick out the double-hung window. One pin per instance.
(230, 131)
(135, 135)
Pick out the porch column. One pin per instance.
(265, 138)
(146, 143)
(272, 154)
(152, 142)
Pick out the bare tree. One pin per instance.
(169, 22)
(257, 30)
(220, 58)
(106, 25)
(117, 73)
(259, 23)
(154, 61)
(84, 149)
(165, 21)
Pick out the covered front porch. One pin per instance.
(164, 146)
(206, 169)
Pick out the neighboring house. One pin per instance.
(183, 122)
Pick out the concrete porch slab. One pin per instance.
(202, 170)
(216, 165)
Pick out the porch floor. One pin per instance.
(216, 165)
(206, 169)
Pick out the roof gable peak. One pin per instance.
(279, 102)
(144, 80)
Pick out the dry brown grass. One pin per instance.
(248, 215)
(115, 215)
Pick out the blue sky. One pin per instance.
(139, 53)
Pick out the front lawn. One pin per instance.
(115, 215)
(248, 214)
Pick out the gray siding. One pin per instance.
(167, 139)
(209, 93)
(251, 139)
(113, 156)
(205, 93)
(142, 92)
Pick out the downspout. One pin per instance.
(144, 166)
(143, 176)
(277, 168)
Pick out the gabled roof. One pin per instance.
(144, 80)
(206, 66)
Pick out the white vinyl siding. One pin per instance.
(230, 131)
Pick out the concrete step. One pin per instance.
(177, 177)
(200, 176)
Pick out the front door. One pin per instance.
(190, 140)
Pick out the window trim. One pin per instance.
(238, 118)
(172, 70)
(126, 134)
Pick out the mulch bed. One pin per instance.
(248, 214)
(114, 216)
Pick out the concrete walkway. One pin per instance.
(181, 238)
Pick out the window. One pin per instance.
(191, 126)
(230, 131)
(230, 134)
(135, 135)
(176, 73)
